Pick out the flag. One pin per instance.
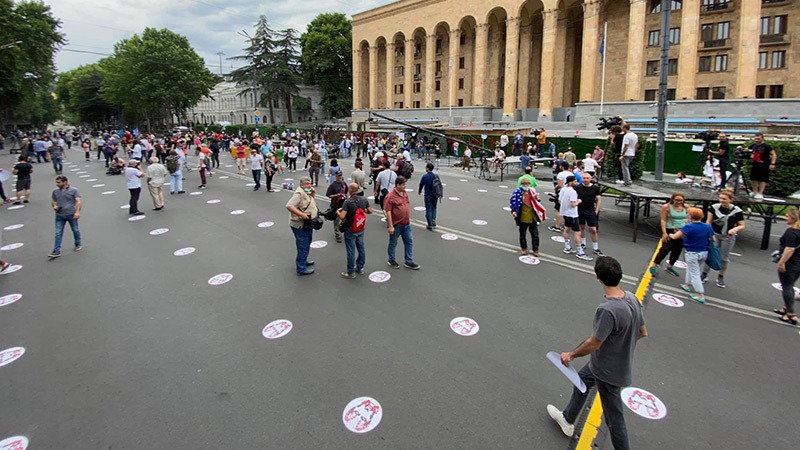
(602, 49)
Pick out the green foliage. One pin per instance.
(637, 165)
(79, 94)
(233, 130)
(326, 57)
(247, 131)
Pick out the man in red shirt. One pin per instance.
(397, 209)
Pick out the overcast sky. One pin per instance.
(211, 26)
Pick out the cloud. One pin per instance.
(92, 27)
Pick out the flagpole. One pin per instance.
(603, 77)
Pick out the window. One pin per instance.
(462, 63)
(652, 38)
(398, 88)
(672, 67)
(705, 64)
(655, 5)
(417, 87)
(399, 71)
(417, 50)
(417, 104)
(776, 91)
(761, 91)
(715, 5)
(702, 94)
(718, 93)
(720, 63)
(762, 60)
(765, 26)
(652, 68)
(650, 95)
(707, 32)
(438, 86)
(461, 102)
(398, 105)
(463, 39)
(438, 46)
(779, 59)
(670, 94)
(674, 36)
(723, 30)
(779, 25)
(417, 69)
(438, 66)
(461, 83)
(436, 103)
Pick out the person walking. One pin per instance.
(359, 177)
(673, 218)
(589, 211)
(569, 202)
(56, 151)
(23, 170)
(696, 236)
(434, 191)
(727, 220)
(87, 149)
(66, 202)
(789, 265)
(157, 176)
(175, 175)
(353, 217)
(617, 327)
(397, 209)
(314, 168)
(292, 152)
(527, 212)
(241, 155)
(302, 208)
(256, 166)
(336, 193)
(133, 179)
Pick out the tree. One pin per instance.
(154, 76)
(326, 59)
(79, 93)
(284, 73)
(258, 56)
(30, 37)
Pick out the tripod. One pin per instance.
(733, 178)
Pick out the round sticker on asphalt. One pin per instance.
(266, 224)
(668, 300)
(319, 244)
(455, 199)
(681, 265)
(9, 299)
(14, 246)
(10, 355)
(464, 326)
(778, 287)
(108, 193)
(419, 208)
(135, 218)
(482, 190)
(277, 329)
(379, 277)
(531, 260)
(362, 415)
(644, 403)
(558, 238)
(237, 212)
(222, 278)
(480, 222)
(158, 231)
(11, 269)
(211, 202)
(196, 193)
(184, 251)
(16, 207)
(14, 443)
(449, 237)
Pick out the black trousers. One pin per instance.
(134, 203)
(723, 171)
(524, 229)
(673, 247)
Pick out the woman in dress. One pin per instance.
(673, 218)
(789, 265)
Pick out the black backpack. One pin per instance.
(172, 164)
(407, 170)
(437, 187)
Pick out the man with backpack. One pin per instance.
(353, 215)
(434, 191)
(404, 166)
(175, 174)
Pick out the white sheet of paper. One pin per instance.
(569, 372)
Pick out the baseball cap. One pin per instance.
(571, 178)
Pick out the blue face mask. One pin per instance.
(307, 190)
(525, 188)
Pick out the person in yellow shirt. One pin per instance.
(541, 140)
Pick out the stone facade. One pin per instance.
(544, 54)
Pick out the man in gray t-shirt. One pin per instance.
(618, 325)
(66, 202)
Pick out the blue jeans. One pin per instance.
(257, 177)
(62, 219)
(57, 166)
(408, 243)
(430, 211)
(612, 407)
(353, 242)
(302, 240)
(176, 181)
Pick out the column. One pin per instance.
(357, 79)
(430, 68)
(690, 38)
(409, 73)
(390, 75)
(747, 67)
(590, 49)
(479, 65)
(548, 61)
(633, 72)
(511, 69)
(525, 68)
(452, 67)
(373, 77)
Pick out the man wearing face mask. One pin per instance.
(302, 207)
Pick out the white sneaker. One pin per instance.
(619, 182)
(758, 197)
(751, 194)
(567, 428)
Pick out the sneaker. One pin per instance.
(584, 257)
(698, 298)
(583, 245)
(554, 228)
(673, 271)
(599, 252)
(17, 203)
(348, 276)
(202, 186)
(758, 197)
(393, 264)
(619, 182)
(26, 201)
(361, 271)
(751, 194)
(138, 213)
(411, 265)
(54, 254)
(720, 283)
(654, 271)
(78, 248)
(569, 251)
(181, 192)
(686, 287)
(429, 228)
(567, 428)
(703, 279)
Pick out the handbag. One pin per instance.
(714, 260)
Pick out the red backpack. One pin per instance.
(359, 221)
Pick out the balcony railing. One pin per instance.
(721, 6)
(773, 38)
(417, 76)
(715, 43)
(438, 74)
(772, 2)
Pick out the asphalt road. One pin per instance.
(128, 346)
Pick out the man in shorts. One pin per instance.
(588, 211)
(764, 160)
(23, 171)
(568, 198)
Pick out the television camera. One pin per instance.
(607, 123)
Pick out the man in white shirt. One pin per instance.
(568, 198)
(133, 179)
(589, 165)
(630, 143)
(499, 157)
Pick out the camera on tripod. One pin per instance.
(707, 136)
(607, 123)
(742, 154)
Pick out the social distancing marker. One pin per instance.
(778, 287)
(558, 238)
(15, 207)
(196, 193)
(184, 251)
(14, 443)
(266, 224)
(98, 185)
(455, 199)
(449, 237)
(10, 355)
(419, 208)
(380, 276)
(213, 202)
(319, 244)
(237, 212)
(9, 299)
(13, 246)
(159, 231)
(681, 265)
(11, 269)
(482, 190)
(643, 403)
(135, 218)
(80, 172)
(362, 415)
(668, 300)
(464, 326)
(530, 260)
(107, 192)
(228, 165)
(277, 329)
(224, 177)
(222, 278)
(506, 208)
(479, 222)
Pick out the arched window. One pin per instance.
(674, 5)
